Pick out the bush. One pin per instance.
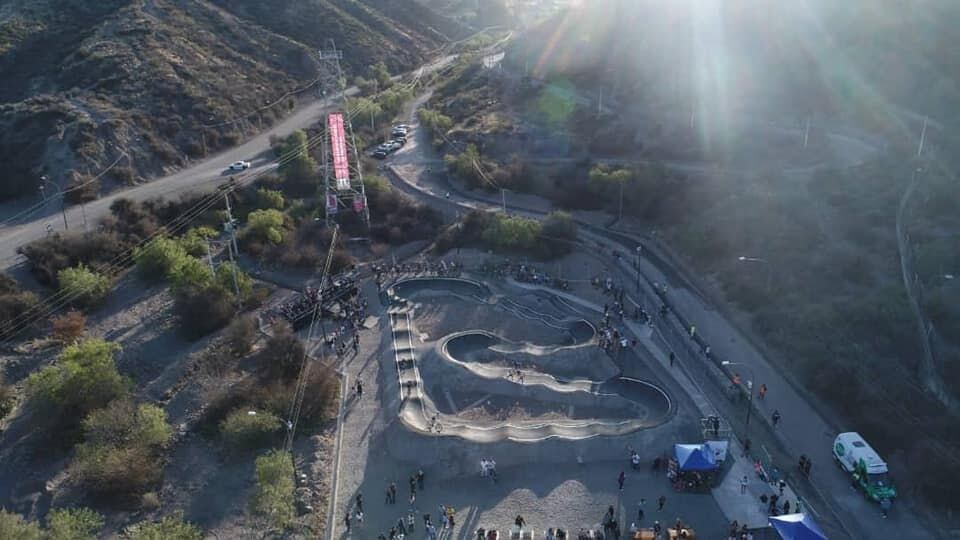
(84, 378)
(557, 234)
(264, 226)
(194, 242)
(168, 528)
(283, 353)
(270, 199)
(203, 310)
(121, 451)
(244, 430)
(14, 526)
(6, 397)
(69, 327)
(241, 335)
(274, 495)
(83, 286)
(191, 273)
(158, 259)
(73, 524)
(15, 303)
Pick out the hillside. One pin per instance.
(88, 80)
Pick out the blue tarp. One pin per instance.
(695, 457)
(797, 527)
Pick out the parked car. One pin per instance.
(239, 166)
(401, 140)
(380, 153)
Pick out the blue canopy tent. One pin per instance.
(695, 457)
(797, 527)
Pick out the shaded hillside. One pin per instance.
(863, 59)
(85, 81)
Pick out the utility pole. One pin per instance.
(600, 103)
(923, 135)
(203, 139)
(620, 213)
(83, 212)
(231, 227)
(806, 133)
(503, 197)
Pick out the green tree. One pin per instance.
(270, 198)
(83, 286)
(512, 233)
(274, 495)
(265, 226)
(297, 167)
(14, 526)
(240, 429)
(195, 241)
(191, 272)
(160, 258)
(465, 165)
(435, 122)
(225, 280)
(84, 378)
(168, 528)
(381, 74)
(73, 524)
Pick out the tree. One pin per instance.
(14, 526)
(204, 309)
(466, 165)
(227, 272)
(283, 352)
(73, 524)
(270, 198)
(241, 334)
(82, 286)
(168, 528)
(6, 397)
(381, 74)
(557, 234)
(435, 122)
(274, 495)
(240, 429)
(265, 226)
(69, 327)
(160, 258)
(121, 450)
(191, 272)
(84, 378)
(296, 166)
(195, 241)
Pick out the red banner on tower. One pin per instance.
(338, 143)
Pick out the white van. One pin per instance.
(849, 448)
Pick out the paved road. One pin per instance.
(203, 175)
(804, 430)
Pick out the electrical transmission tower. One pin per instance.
(342, 173)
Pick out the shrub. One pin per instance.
(557, 234)
(191, 272)
(73, 524)
(15, 303)
(82, 189)
(265, 226)
(231, 278)
(203, 310)
(69, 327)
(274, 495)
(283, 353)
(244, 430)
(158, 259)
(241, 335)
(6, 397)
(168, 528)
(120, 454)
(83, 286)
(84, 378)
(14, 526)
(194, 242)
(270, 199)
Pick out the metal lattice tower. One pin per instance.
(343, 186)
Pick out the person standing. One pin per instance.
(775, 417)
(346, 521)
(743, 484)
(640, 510)
(621, 479)
(420, 479)
(359, 502)
(762, 391)
(359, 389)
(673, 358)
(661, 501)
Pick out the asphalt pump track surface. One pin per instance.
(508, 389)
